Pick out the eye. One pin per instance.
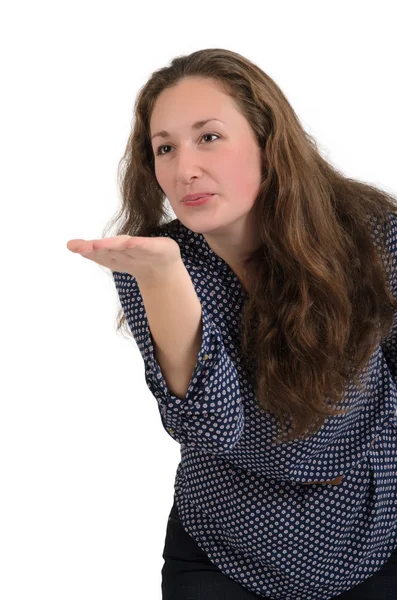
(159, 153)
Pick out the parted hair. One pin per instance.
(320, 299)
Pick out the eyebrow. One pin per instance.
(197, 125)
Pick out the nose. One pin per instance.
(188, 162)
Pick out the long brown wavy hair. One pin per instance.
(319, 301)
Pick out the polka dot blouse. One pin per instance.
(307, 519)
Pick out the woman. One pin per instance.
(287, 485)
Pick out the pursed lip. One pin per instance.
(196, 196)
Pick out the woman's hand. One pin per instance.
(141, 257)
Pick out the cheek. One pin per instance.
(251, 179)
(244, 183)
(163, 179)
(240, 171)
(158, 171)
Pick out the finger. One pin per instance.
(74, 245)
(100, 259)
(105, 244)
(91, 246)
(84, 248)
(93, 253)
(111, 243)
(96, 259)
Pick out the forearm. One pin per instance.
(174, 314)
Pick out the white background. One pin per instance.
(86, 469)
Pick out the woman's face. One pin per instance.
(222, 157)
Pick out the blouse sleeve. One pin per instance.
(211, 416)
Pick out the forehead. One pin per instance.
(189, 101)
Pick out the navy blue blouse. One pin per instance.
(306, 519)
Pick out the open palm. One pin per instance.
(136, 255)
